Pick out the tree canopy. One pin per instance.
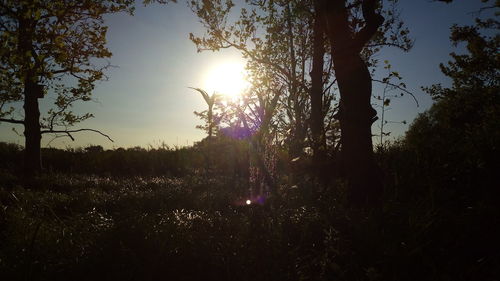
(51, 48)
(62, 42)
(459, 134)
(295, 54)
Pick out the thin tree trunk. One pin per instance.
(298, 135)
(317, 116)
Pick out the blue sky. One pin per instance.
(147, 101)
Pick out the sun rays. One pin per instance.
(227, 79)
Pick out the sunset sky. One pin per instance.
(147, 100)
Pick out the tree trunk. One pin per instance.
(356, 113)
(32, 91)
(32, 135)
(297, 145)
(356, 118)
(317, 116)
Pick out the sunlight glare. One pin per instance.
(227, 79)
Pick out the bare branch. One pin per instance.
(478, 12)
(398, 87)
(387, 44)
(327, 88)
(13, 121)
(69, 132)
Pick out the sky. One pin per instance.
(147, 101)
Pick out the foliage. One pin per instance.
(383, 101)
(231, 161)
(155, 213)
(276, 39)
(459, 135)
(53, 48)
(443, 173)
(197, 227)
(208, 115)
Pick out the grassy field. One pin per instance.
(81, 227)
(158, 214)
(136, 228)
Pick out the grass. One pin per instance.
(66, 226)
(101, 228)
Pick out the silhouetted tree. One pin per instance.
(459, 135)
(316, 96)
(277, 37)
(51, 47)
(207, 115)
(348, 39)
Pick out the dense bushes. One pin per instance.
(226, 156)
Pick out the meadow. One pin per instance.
(194, 224)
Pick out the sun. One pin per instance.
(227, 78)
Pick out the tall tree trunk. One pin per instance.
(317, 115)
(32, 135)
(32, 91)
(356, 113)
(356, 118)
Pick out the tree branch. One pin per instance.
(373, 22)
(327, 88)
(69, 132)
(398, 87)
(478, 12)
(13, 121)
(387, 44)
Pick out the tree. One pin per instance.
(51, 48)
(283, 42)
(356, 113)
(274, 37)
(458, 136)
(348, 39)
(316, 96)
(207, 115)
